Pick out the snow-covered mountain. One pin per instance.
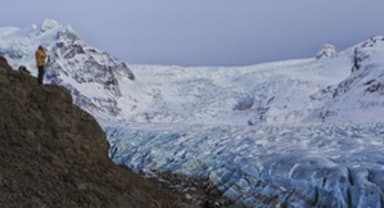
(90, 74)
(360, 96)
(301, 133)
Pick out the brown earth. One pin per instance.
(52, 154)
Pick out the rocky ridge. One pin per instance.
(53, 154)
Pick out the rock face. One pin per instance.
(52, 154)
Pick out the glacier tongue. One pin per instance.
(316, 165)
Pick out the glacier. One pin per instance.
(265, 166)
(294, 133)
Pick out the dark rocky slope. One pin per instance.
(52, 154)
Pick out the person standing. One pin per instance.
(41, 55)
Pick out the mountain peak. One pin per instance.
(328, 50)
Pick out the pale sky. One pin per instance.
(207, 32)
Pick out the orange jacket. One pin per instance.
(40, 57)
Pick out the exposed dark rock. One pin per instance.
(199, 190)
(24, 69)
(244, 103)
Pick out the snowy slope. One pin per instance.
(302, 132)
(269, 93)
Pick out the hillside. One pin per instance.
(53, 154)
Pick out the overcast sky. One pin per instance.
(207, 32)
